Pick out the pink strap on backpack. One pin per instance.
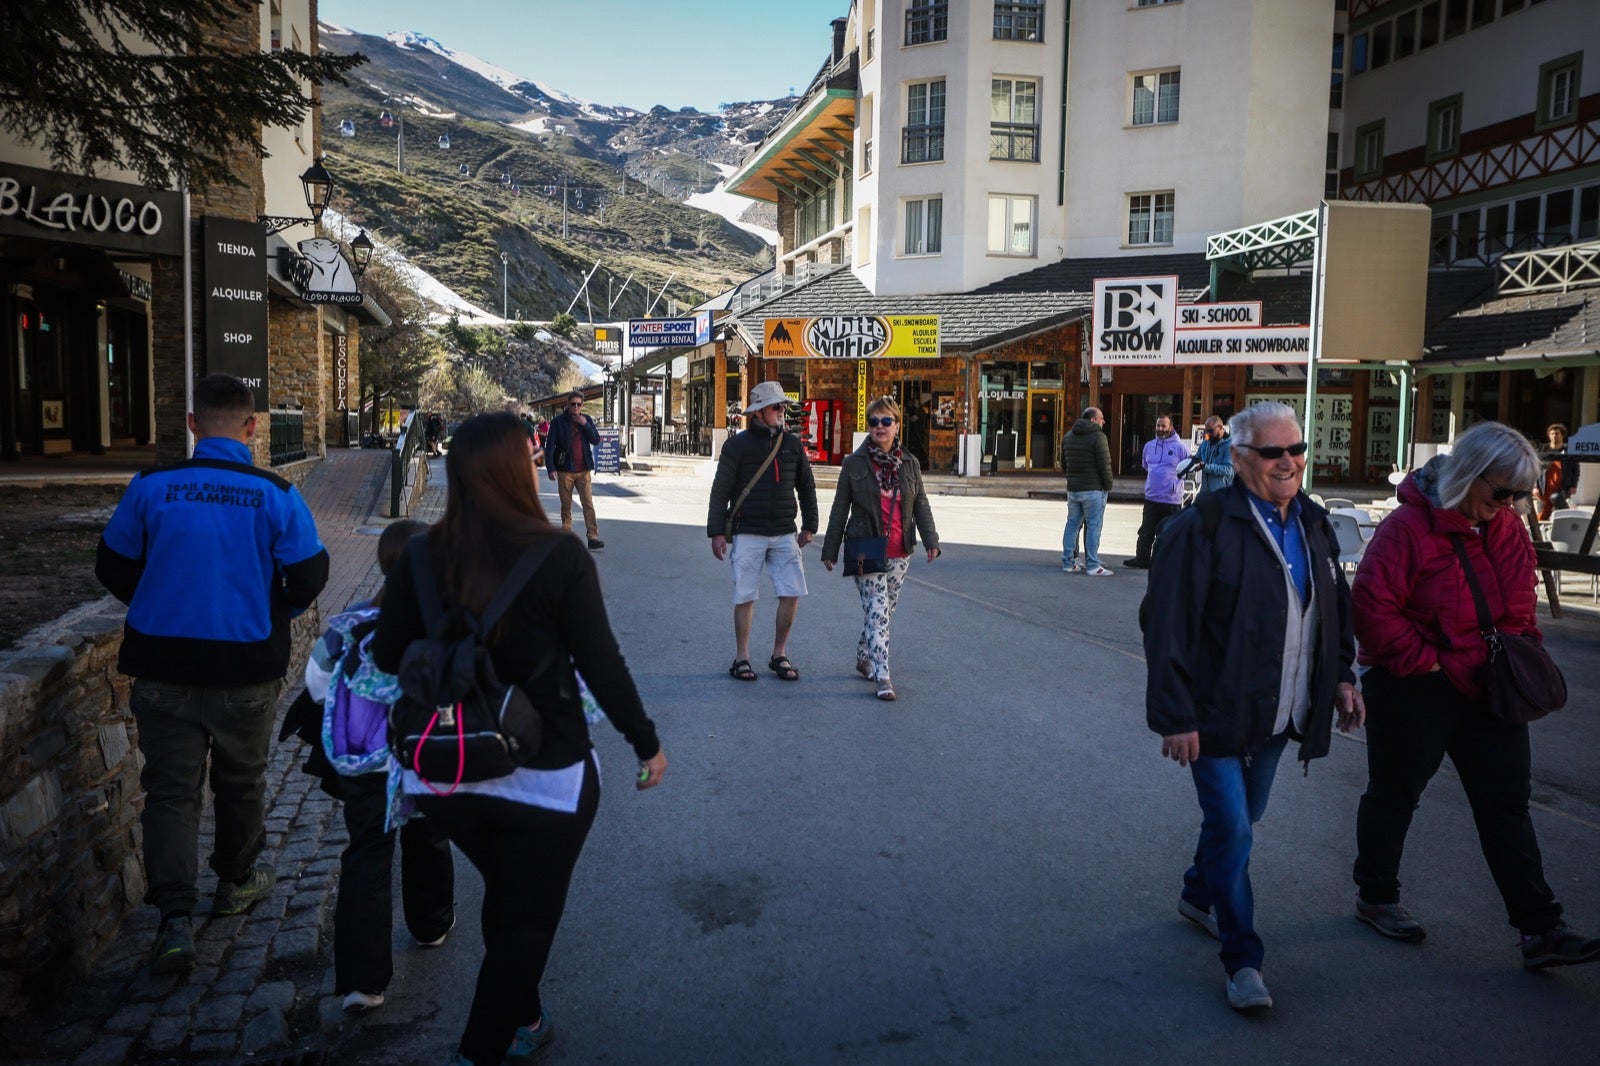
(461, 753)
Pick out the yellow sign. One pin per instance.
(861, 396)
(852, 337)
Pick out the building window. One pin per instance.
(1155, 98)
(927, 22)
(1150, 218)
(1014, 120)
(924, 226)
(1022, 20)
(1011, 225)
(924, 131)
(866, 157)
(1330, 181)
(1444, 127)
(1455, 18)
(1558, 90)
(1405, 34)
(814, 216)
(1336, 84)
(1382, 34)
(1428, 26)
(1369, 150)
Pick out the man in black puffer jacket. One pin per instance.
(760, 522)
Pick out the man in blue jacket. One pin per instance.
(212, 557)
(1248, 644)
(1214, 457)
(569, 458)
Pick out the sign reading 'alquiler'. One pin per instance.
(235, 264)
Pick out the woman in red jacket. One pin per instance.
(1417, 626)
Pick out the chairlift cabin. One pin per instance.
(444, 141)
(347, 128)
(465, 173)
(386, 120)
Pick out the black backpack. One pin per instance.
(455, 719)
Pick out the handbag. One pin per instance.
(865, 555)
(1522, 681)
(868, 555)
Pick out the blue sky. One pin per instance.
(680, 53)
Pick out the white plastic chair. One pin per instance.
(1364, 523)
(1351, 545)
(1333, 502)
(1566, 535)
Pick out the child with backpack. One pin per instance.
(350, 754)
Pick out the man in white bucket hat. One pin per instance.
(763, 482)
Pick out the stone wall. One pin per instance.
(70, 863)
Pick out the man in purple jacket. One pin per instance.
(1163, 491)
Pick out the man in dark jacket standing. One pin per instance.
(569, 458)
(763, 480)
(212, 557)
(1086, 457)
(1248, 644)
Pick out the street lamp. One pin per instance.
(317, 185)
(505, 290)
(360, 253)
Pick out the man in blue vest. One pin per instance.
(212, 557)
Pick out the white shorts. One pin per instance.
(780, 556)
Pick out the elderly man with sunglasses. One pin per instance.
(1249, 645)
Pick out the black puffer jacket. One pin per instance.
(1086, 457)
(770, 509)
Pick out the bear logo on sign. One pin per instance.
(329, 271)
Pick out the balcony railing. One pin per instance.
(1019, 21)
(926, 23)
(1550, 270)
(922, 144)
(1015, 142)
(287, 440)
(1468, 248)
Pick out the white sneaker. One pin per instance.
(1246, 990)
(440, 940)
(361, 1002)
(1101, 571)
(1075, 568)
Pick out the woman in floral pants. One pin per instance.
(880, 484)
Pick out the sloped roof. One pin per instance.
(1509, 329)
(1078, 275)
(967, 321)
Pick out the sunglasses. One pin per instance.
(1274, 451)
(875, 421)
(574, 404)
(1501, 494)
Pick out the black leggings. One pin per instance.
(526, 856)
(1412, 724)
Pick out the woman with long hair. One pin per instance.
(524, 831)
(880, 495)
(1416, 620)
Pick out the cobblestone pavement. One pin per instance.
(262, 986)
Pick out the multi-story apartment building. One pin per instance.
(949, 151)
(1488, 111)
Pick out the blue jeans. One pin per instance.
(1233, 793)
(1086, 509)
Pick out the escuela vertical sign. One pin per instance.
(235, 272)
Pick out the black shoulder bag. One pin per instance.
(1523, 683)
(869, 555)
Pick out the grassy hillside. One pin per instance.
(497, 189)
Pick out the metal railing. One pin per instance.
(403, 460)
(1554, 270)
(287, 435)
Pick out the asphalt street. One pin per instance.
(988, 869)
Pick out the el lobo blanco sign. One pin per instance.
(78, 210)
(852, 337)
(322, 275)
(235, 265)
(1135, 320)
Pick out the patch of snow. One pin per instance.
(730, 206)
(333, 29)
(533, 125)
(431, 289)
